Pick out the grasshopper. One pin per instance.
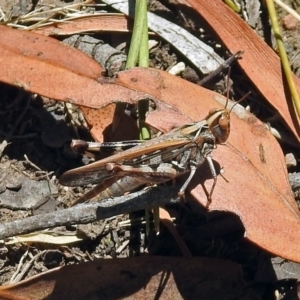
(165, 157)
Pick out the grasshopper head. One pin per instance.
(218, 120)
(219, 123)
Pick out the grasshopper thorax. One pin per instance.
(218, 121)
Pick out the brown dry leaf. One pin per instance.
(46, 66)
(135, 278)
(97, 123)
(107, 124)
(48, 51)
(260, 62)
(48, 69)
(103, 22)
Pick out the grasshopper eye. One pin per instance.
(224, 122)
(223, 130)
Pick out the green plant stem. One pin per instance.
(143, 107)
(144, 48)
(283, 57)
(139, 52)
(140, 20)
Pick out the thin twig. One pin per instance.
(87, 213)
(224, 66)
(27, 266)
(32, 164)
(14, 276)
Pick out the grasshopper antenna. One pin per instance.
(240, 100)
(228, 92)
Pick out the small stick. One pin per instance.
(87, 213)
(225, 65)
